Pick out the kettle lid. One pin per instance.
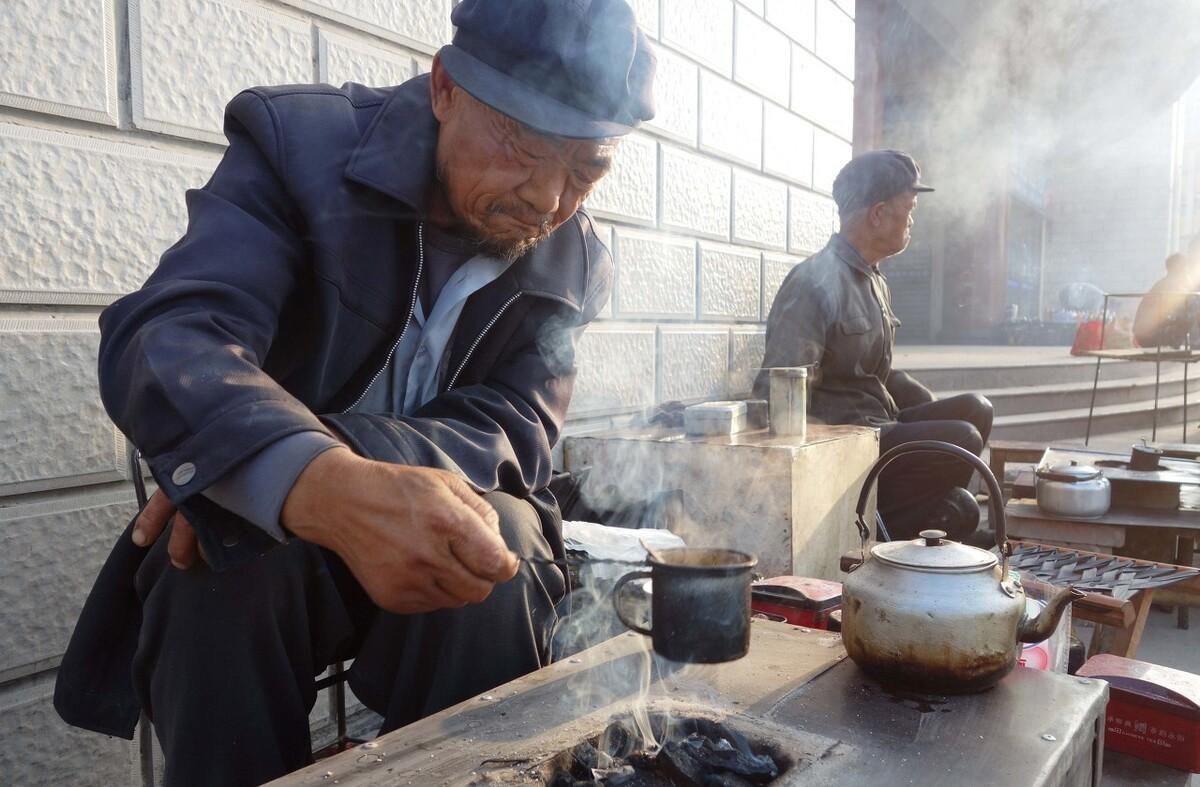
(1072, 473)
(933, 552)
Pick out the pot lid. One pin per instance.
(934, 552)
(1071, 473)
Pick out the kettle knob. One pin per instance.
(932, 538)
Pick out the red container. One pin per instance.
(1153, 712)
(800, 601)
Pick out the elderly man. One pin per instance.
(347, 378)
(835, 311)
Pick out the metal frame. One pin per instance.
(1157, 364)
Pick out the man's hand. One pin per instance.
(417, 539)
(183, 547)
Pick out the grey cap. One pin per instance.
(875, 176)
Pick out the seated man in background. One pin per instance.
(1166, 316)
(834, 311)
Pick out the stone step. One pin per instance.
(1071, 423)
(1066, 396)
(960, 376)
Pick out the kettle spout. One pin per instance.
(1042, 625)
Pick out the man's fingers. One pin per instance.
(153, 518)
(463, 491)
(182, 548)
(462, 586)
(480, 549)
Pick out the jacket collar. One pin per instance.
(398, 152)
(842, 249)
(397, 156)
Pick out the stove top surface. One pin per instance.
(795, 688)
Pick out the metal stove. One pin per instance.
(795, 690)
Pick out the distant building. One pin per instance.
(1057, 160)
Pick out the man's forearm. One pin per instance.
(256, 489)
(907, 392)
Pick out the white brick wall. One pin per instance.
(111, 109)
(44, 40)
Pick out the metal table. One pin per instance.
(1156, 355)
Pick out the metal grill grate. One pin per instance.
(1119, 577)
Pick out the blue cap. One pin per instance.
(570, 68)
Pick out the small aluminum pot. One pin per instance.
(1073, 490)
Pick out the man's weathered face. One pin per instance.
(507, 185)
(894, 221)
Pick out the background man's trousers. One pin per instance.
(912, 487)
(226, 663)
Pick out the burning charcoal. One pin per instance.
(618, 740)
(678, 762)
(587, 758)
(713, 756)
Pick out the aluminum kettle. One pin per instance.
(934, 615)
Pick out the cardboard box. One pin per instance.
(1153, 712)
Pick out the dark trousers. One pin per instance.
(912, 486)
(226, 663)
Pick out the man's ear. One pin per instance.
(875, 214)
(441, 89)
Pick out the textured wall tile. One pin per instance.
(676, 96)
(39, 749)
(60, 57)
(759, 211)
(52, 553)
(703, 29)
(810, 221)
(630, 190)
(656, 275)
(425, 24)
(730, 120)
(190, 57)
(53, 424)
(775, 268)
(787, 145)
(342, 59)
(423, 65)
(745, 358)
(821, 94)
(616, 369)
(695, 193)
(693, 364)
(85, 216)
(761, 57)
(830, 154)
(797, 18)
(835, 37)
(646, 12)
(729, 282)
(757, 6)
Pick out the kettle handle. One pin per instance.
(995, 498)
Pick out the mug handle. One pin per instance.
(618, 589)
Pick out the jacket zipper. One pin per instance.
(411, 307)
(495, 318)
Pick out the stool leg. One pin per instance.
(1184, 557)
(339, 699)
